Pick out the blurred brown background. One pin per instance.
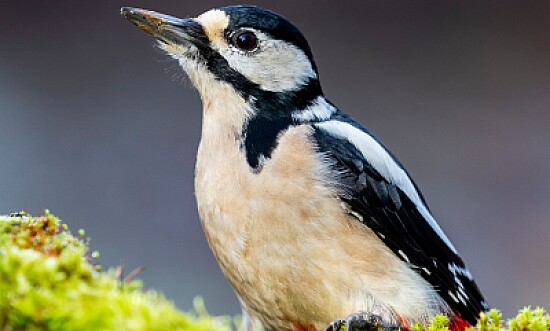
(100, 127)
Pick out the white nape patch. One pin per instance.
(276, 65)
(320, 109)
(382, 161)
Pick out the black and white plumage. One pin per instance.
(381, 194)
(260, 88)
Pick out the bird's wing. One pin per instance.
(380, 193)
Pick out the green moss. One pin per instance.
(48, 282)
(526, 320)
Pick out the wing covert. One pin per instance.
(381, 198)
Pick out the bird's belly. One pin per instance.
(284, 260)
(291, 252)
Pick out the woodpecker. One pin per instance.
(312, 220)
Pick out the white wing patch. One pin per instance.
(382, 161)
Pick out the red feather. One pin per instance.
(458, 324)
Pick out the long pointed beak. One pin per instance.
(165, 28)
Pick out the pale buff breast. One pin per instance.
(289, 249)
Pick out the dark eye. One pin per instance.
(245, 40)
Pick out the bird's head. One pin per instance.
(254, 50)
(245, 56)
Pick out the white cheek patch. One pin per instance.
(276, 66)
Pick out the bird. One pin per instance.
(313, 221)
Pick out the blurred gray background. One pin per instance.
(100, 127)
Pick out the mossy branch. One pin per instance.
(49, 281)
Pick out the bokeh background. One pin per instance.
(100, 127)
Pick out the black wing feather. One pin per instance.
(391, 214)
